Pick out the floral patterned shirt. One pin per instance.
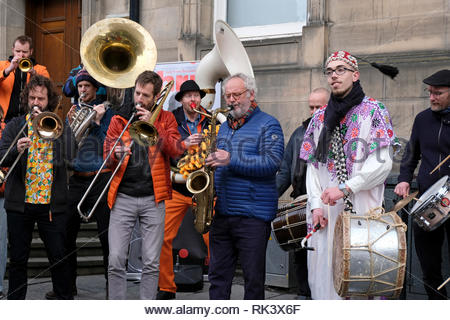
(39, 174)
(366, 128)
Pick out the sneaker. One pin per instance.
(165, 295)
(2, 295)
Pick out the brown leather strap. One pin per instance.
(89, 173)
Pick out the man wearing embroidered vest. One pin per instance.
(367, 134)
(190, 125)
(139, 188)
(249, 151)
(89, 159)
(430, 143)
(36, 191)
(293, 172)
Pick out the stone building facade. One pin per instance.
(413, 35)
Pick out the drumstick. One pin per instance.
(445, 282)
(440, 164)
(303, 243)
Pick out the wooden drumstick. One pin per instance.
(445, 282)
(440, 164)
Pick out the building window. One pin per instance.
(263, 19)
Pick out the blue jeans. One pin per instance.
(3, 242)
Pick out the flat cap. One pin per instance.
(439, 79)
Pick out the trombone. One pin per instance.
(144, 133)
(46, 125)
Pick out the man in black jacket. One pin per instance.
(430, 143)
(190, 125)
(293, 172)
(36, 190)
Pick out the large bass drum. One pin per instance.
(289, 227)
(433, 207)
(369, 254)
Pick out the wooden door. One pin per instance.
(55, 27)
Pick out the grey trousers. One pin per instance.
(151, 220)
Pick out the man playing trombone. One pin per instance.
(141, 185)
(91, 134)
(13, 77)
(36, 190)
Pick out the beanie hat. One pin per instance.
(83, 75)
(343, 56)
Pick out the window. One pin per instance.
(262, 19)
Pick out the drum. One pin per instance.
(369, 254)
(289, 227)
(433, 207)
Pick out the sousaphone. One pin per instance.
(116, 50)
(227, 57)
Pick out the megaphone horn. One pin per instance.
(227, 57)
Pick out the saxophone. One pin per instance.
(201, 183)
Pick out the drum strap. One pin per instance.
(337, 148)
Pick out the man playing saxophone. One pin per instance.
(249, 151)
(190, 125)
(36, 190)
(140, 187)
(85, 166)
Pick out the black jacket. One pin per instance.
(429, 142)
(64, 150)
(293, 169)
(184, 131)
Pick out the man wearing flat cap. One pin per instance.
(190, 125)
(430, 143)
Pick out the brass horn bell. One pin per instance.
(25, 64)
(116, 50)
(48, 125)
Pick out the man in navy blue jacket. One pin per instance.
(430, 143)
(249, 151)
(89, 159)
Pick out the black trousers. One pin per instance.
(429, 251)
(301, 271)
(52, 233)
(77, 187)
(233, 237)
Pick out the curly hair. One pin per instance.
(40, 81)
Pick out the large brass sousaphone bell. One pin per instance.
(227, 57)
(116, 50)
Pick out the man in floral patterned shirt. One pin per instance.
(36, 190)
(364, 126)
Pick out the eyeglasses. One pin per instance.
(236, 96)
(435, 93)
(339, 71)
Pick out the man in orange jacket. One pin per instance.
(13, 80)
(190, 125)
(140, 187)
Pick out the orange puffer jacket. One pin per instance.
(169, 145)
(6, 84)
